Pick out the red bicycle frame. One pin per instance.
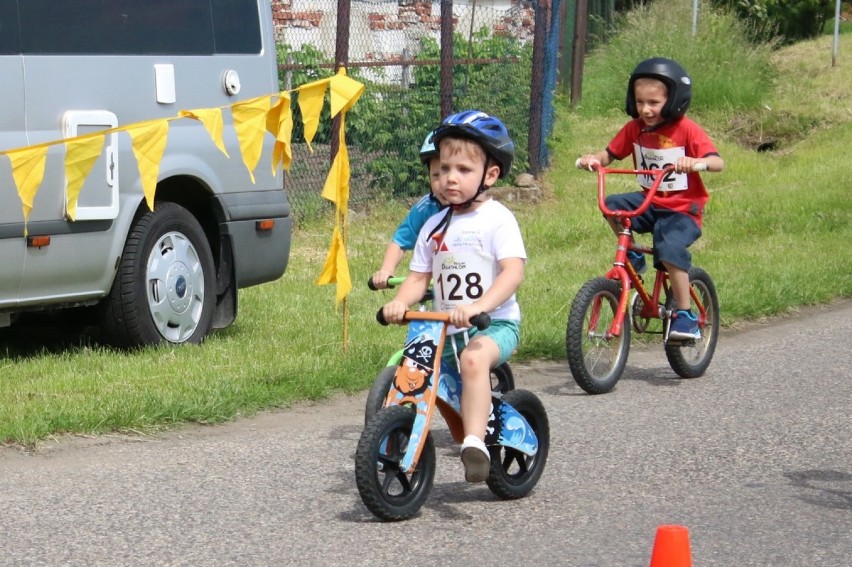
(622, 269)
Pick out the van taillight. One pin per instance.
(38, 241)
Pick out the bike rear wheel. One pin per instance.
(379, 392)
(387, 491)
(514, 474)
(691, 359)
(596, 359)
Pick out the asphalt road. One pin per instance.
(754, 458)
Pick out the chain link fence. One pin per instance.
(401, 51)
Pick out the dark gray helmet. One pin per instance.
(676, 80)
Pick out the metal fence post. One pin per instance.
(341, 59)
(446, 58)
(536, 86)
(581, 21)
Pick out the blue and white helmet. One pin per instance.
(428, 149)
(488, 131)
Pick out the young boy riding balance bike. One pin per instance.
(474, 254)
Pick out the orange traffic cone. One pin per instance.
(671, 547)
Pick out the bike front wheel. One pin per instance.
(690, 359)
(596, 358)
(387, 491)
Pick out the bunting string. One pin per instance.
(252, 120)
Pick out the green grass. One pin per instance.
(775, 238)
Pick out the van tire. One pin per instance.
(165, 287)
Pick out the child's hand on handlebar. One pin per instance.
(380, 279)
(590, 162)
(394, 311)
(460, 316)
(687, 165)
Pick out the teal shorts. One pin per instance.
(505, 333)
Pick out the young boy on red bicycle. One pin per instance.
(407, 231)
(658, 94)
(474, 252)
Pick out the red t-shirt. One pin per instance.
(656, 148)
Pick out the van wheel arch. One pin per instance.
(165, 286)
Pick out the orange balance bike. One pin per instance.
(502, 379)
(607, 308)
(395, 459)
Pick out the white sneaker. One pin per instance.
(476, 460)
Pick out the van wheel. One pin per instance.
(164, 290)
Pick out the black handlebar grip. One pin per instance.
(481, 321)
(371, 285)
(380, 317)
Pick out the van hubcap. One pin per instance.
(175, 286)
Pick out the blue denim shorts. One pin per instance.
(673, 231)
(505, 333)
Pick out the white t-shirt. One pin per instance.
(464, 264)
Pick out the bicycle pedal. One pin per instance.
(680, 342)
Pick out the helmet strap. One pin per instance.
(482, 188)
(444, 223)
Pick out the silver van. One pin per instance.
(71, 67)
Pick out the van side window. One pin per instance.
(235, 26)
(10, 43)
(131, 27)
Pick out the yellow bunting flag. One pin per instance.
(211, 118)
(149, 143)
(250, 125)
(28, 172)
(345, 92)
(279, 123)
(80, 156)
(311, 98)
(336, 188)
(336, 268)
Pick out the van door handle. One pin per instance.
(110, 166)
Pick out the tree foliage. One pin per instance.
(390, 121)
(787, 20)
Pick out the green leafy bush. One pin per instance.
(727, 69)
(390, 122)
(787, 20)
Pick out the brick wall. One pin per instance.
(383, 31)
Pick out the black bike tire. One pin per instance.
(372, 485)
(576, 334)
(526, 470)
(677, 353)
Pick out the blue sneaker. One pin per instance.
(638, 261)
(684, 326)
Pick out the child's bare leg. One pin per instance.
(617, 227)
(680, 286)
(476, 361)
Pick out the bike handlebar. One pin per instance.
(392, 282)
(656, 174)
(395, 281)
(596, 165)
(481, 321)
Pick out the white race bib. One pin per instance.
(659, 159)
(461, 278)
